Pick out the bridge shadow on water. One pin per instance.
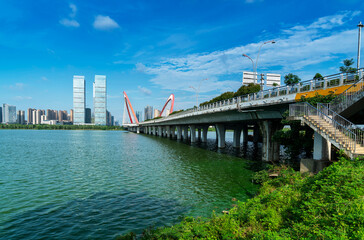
(101, 216)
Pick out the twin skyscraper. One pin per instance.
(99, 97)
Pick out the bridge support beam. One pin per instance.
(154, 130)
(270, 149)
(220, 130)
(185, 133)
(256, 133)
(205, 129)
(199, 134)
(245, 134)
(321, 148)
(236, 137)
(168, 131)
(193, 133)
(150, 130)
(159, 131)
(173, 132)
(179, 132)
(137, 129)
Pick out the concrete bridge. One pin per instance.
(260, 111)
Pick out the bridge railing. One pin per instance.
(348, 138)
(350, 95)
(324, 107)
(334, 80)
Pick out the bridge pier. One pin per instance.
(205, 129)
(173, 132)
(270, 149)
(179, 132)
(159, 131)
(185, 133)
(321, 148)
(154, 130)
(245, 134)
(220, 130)
(199, 134)
(256, 133)
(168, 130)
(150, 130)
(137, 129)
(237, 135)
(193, 133)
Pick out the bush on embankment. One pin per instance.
(329, 205)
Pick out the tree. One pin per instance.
(318, 76)
(347, 66)
(291, 79)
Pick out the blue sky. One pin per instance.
(151, 49)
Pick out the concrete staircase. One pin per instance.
(341, 139)
(326, 120)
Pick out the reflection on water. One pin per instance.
(68, 181)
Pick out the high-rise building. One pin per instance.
(156, 113)
(100, 104)
(9, 113)
(88, 115)
(20, 117)
(148, 113)
(1, 114)
(30, 115)
(138, 115)
(38, 116)
(71, 115)
(62, 116)
(79, 99)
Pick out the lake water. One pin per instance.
(100, 184)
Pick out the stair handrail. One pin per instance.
(344, 122)
(345, 99)
(309, 110)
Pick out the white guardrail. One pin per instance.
(334, 80)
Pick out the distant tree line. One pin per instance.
(59, 127)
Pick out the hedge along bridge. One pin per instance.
(263, 111)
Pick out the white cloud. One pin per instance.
(20, 98)
(44, 78)
(144, 90)
(296, 48)
(69, 22)
(104, 23)
(73, 9)
(17, 86)
(140, 67)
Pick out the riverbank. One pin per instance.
(328, 205)
(60, 127)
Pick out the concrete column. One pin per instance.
(236, 138)
(159, 131)
(179, 132)
(150, 130)
(138, 129)
(154, 130)
(245, 133)
(168, 131)
(205, 129)
(199, 134)
(173, 132)
(220, 130)
(256, 133)
(270, 149)
(321, 148)
(185, 133)
(193, 133)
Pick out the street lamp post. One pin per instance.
(198, 90)
(360, 25)
(255, 66)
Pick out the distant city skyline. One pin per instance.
(151, 50)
